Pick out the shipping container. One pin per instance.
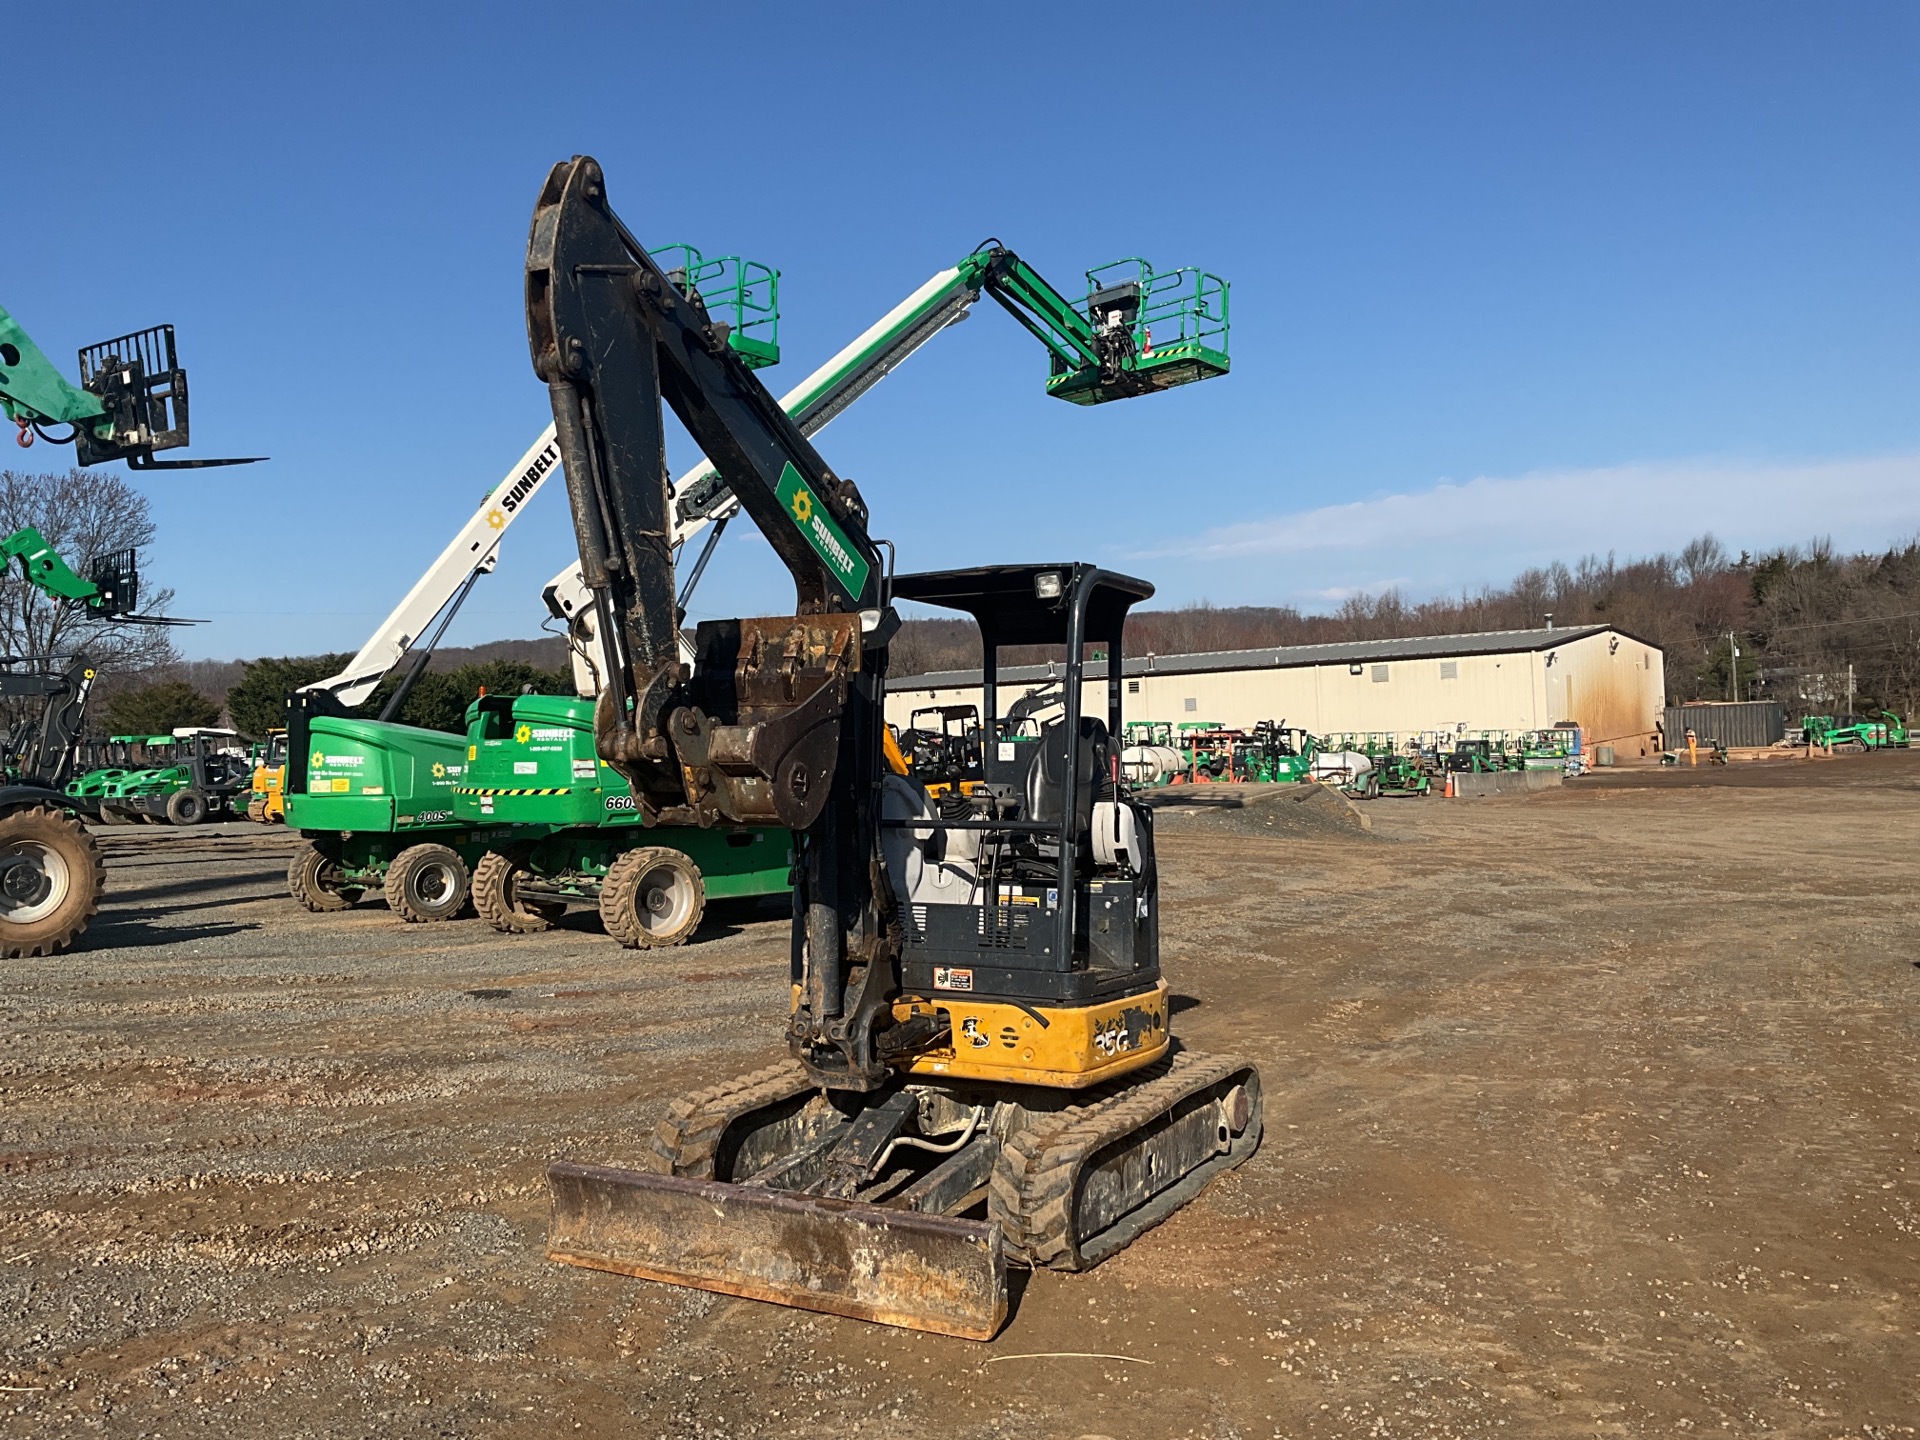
(1744, 723)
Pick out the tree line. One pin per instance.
(1807, 622)
(1806, 625)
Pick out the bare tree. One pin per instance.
(1701, 559)
(82, 514)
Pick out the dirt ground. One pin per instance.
(1590, 1112)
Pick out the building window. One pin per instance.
(1449, 669)
(1133, 687)
(1379, 674)
(1192, 704)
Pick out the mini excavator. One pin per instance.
(981, 1069)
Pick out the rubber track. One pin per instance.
(684, 1142)
(1034, 1185)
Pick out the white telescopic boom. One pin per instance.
(476, 547)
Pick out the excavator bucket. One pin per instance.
(841, 1257)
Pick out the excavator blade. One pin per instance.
(841, 1257)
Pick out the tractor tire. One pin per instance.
(113, 817)
(316, 882)
(652, 898)
(426, 883)
(495, 881)
(257, 810)
(187, 807)
(51, 879)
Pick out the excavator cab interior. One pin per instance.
(1043, 887)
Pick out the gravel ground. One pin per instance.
(1589, 1112)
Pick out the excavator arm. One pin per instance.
(778, 722)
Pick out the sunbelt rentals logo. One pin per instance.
(829, 542)
(523, 733)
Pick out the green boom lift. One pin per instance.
(433, 821)
(650, 882)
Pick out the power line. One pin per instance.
(1830, 624)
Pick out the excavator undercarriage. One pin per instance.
(905, 1205)
(982, 1070)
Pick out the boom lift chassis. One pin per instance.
(982, 1071)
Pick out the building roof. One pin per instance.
(1288, 657)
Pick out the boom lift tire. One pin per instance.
(317, 882)
(652, 898)
(496, 882)
(51, 879)
(187, 807)
(427, 883)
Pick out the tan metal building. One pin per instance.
(1604, 680)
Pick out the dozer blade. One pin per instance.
(842, 1257)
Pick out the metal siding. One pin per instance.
(1614, 696)
(1745, 723)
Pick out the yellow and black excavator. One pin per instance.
(981, 1070)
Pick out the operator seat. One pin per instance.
(1047, 773)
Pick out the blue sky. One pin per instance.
(1510, 282)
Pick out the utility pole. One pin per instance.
(1849, 687)
(1733, 667)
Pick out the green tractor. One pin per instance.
(1275, 753)
(196, 778)
(1854, 734)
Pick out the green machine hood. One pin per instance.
(370, 775)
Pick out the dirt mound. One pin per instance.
(1256, 810)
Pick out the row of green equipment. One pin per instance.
(185, 778)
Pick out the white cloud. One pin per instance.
(1639, 508)
(1338, 593)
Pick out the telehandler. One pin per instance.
(981, 1070)
(131, 401)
